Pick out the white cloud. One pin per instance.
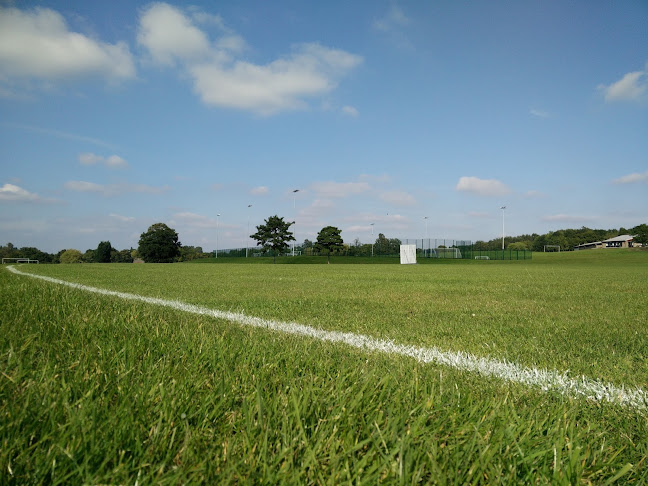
(114, 161)
(114, 189)
(351, 111)
(221, 80)
(566, 218)
(393, 25)
(169, 35)
(632, 178)
(339, 189)
(482, 187)
(88, 158)
(631, 87)
(394, 19)
(123, 219)
(37, 44)
(11, 192)
(57, 134)
(281, 85)
(83, 186)
(260, 191)
(539, 113)
(398, 198)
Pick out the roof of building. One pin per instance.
(618, 238)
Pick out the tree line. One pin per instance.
(567, 239)
(160, 244)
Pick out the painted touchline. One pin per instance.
(548, 380)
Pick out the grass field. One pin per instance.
(95, 389)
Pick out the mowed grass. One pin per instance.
(98, 390)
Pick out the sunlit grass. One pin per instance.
(97, 390)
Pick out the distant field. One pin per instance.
(96, 389)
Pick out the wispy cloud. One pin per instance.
(632, 178)
(114, 189)
(11, 192)
(123, 219)
(350, 111)
(339, 189)
(566, 218)
(393, 25)
(398, 198)
(394, 19)
(224, 79)
(482, 187)
(259, 191)
(113, 161)
(58, 134)
(631, 87)
(539, 113)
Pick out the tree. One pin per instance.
(159, 244)
(640, 233)
(102, 253)
(71, 256)
(329, 239)
(274, 235)
(387, 246)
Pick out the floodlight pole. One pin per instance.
(503, 208)
(372, 238)
(247, 238)
(295, 213)
(217, 215)
(426, 234)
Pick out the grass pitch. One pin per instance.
(94, 389)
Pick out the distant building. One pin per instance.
(621, 241)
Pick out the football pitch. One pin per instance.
(301, 373)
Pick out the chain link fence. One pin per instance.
(425, 248)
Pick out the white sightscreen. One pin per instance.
(408, 254)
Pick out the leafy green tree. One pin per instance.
(88, 256)
(518, 245)
(329, 239)
(640, 233)
(387, 246)
(159, 244)
(274, 236)
(71, 256)
(102, 253)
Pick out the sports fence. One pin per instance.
(425, 248)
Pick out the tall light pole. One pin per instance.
(247, 238)
(372, 238)
(295, 213)
(217, 215)
(426, 233)
(503, 208)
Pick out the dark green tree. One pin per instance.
(640, 233)
(102, 253)
(159, 244)
(274, 236)
(329, 239)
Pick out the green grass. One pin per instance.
(98, 390)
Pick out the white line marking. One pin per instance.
(547, 380)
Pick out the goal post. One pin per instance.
(18, 260)
(446, 252)
(552, 248)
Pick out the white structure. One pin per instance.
(407, 254)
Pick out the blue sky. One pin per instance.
(117, 115)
